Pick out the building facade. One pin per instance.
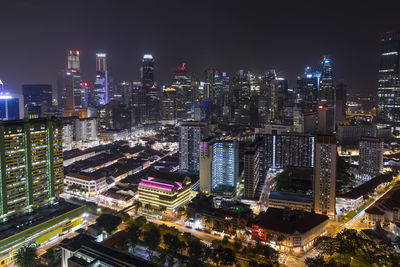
(371, 157)
(325, 175)
(31, 164)
(191, 133)
(388, 110)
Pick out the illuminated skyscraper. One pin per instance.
(100, 90)
(37, 99)
(191, 133)
(225, 166)
(325, 175)
(11, 105)
(147, 72)
(182, 82)
(388, 111)
(72, 92)
(326, 83)
(308, 88)
(31, 164)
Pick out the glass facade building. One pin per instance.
(225, 165)
(388, 111)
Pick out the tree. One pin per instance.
(147, 206)
(132, 236)
(108, 222)
(26, 257)
(152, 239)
(51, 256)
(223, 256)
(280, 240)
(315, 262)
(124, 216)
(197, 252)
(172, 243)
(140, 221)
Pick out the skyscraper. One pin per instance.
(37, 99)
(308, 88)
(371, 157)
(191, 133)
(325, 175)
(388, 111)
(72, 79)
(327, 92)
(100, 90)
(206, 156)
(340, 103)
(253, 169)
(182, 82)
(225, 166)
(147, 71)
(31, 164)
(11, 105)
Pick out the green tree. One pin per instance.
(223, 256)
(140, 221)
(26, 257)
(51, 256)
(124, 217)
(172, 243)
(108, 222)
(132, 236)
(152, 238)
(197, 252)
(315, 262)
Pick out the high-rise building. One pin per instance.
(147, 71)
(327, 91)
(288, 149)
(139, 102)
(326, 119)
(114, 116)
(253, 169)
(340, 102)
(206, 156)
(371, 157)
(308, 88)
(100, 90)
(388, 111)
(37, 99)
(191, 133)
(225, 165)
(153, 103)
(72, 92)
(168, 104)
(182, 82)
(31, 164)
(325, 175)
(11, 106)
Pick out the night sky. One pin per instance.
(227, 35)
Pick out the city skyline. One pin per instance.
(229, 37)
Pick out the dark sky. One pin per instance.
(227, 35)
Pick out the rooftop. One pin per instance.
(22, 222)
(290, 197)
(289, 221)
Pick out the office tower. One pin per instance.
(225, 165)
(371, 157)
(100, 90)
(85, 91)
(308, 88)
(153, 103)
(340, 103)
(72, 89)
(147, 71)
(114, 116)
(388, 111)
(326, 119)
(139, 102)
(278, 89)
(327, 92)
(168, 104)
(325, 175)
(124, 91)
(241, 96)
(288, 149)
(31, 164)
(191, 133)
(11, 105)
(182, 82)
(221, 86)
(206, 156)
(37, 99)
(208, 85)
(253, 169)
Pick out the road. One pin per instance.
(353, 223)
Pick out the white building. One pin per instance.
(371, 157)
